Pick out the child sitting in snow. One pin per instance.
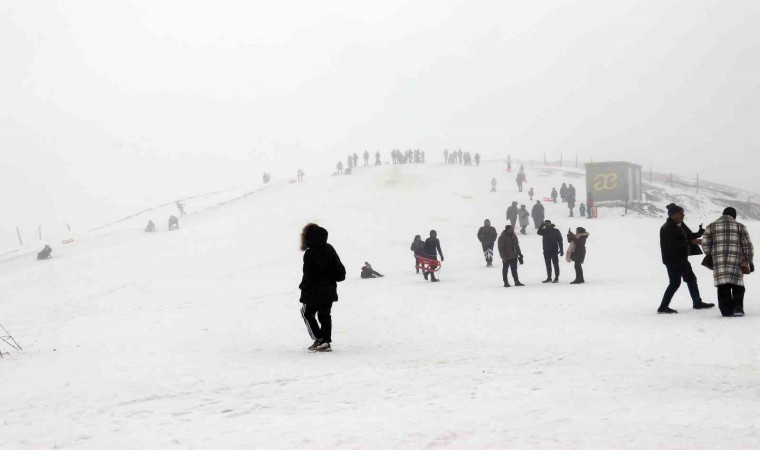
(368, 272)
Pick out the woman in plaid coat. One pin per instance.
(728, 243)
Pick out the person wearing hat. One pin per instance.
(675, 245)
(524, 216)
(553, 247)
(729, 246)
(369, 272)
(509, 250)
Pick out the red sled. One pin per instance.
(428, 265)
(548, 199)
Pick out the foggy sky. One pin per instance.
(109, 107)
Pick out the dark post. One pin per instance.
(671, 179)
(40, 228)
(22, 242)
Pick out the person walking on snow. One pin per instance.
(432, 250)
(477, 159)
(322, 270)
(339, 166)
(675, 247)
(728, 244)
(524, 217)
(520, 179)
(531, 193)
(418, 247)
(299, 175)
(512, 213)
(570, 202)
(537, 213)
(366, 158)
(510, 253)
(487, 237)
(563, 192)
(493, 184)
(377, 159)
(576, 252)
(552, 244)
(554, 195)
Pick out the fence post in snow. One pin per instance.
(671, 180)
(40, 229)
(19, 236)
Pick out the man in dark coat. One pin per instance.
(553, 246)
(563, 192)
(520, 179)
(322, 270)
(509, 250)
(487, 236)
(477, 159)
(366, 158)
(537, 213)
(554, 195)
(570, 202)
(676, 245)
(512, 212)
(432, 250)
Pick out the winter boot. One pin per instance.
(739, 308)
(556, 280)
(323, 347)
(666, 310)
(548, 280)
(517, 283)
(507, 285)
(703, 305)
(576, 282)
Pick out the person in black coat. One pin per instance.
(45, 253)
(418, 247)
(578, 253)
(677, 242)
(537, 213)
(512, 213)
(369, 272)
(322, 270)
(431, 250)
(553, 246)
(487, 236)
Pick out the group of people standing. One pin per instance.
(408, 157)
(567, 195)
(509, 250)
(460, 157)
(728, 252)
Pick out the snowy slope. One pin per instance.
(193, 339)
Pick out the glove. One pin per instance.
(520, 259)
(441, 258)
(701, 228)
(561, 253)
(751, 267)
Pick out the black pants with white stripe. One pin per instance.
(488, 251)
(323, 329)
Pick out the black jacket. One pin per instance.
(674, 243)
(418, 247)
(693, 248)
(431, 246)
(322, 269)
(553, 242)
(579, 254)
(487, 234)
(537, 212)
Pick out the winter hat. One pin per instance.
(673, 209)
(580, 230)
(508, 227)
(730, 212)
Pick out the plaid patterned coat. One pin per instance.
(728, 242)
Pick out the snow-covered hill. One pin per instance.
(193, 338)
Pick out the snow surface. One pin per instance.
(193, 339)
